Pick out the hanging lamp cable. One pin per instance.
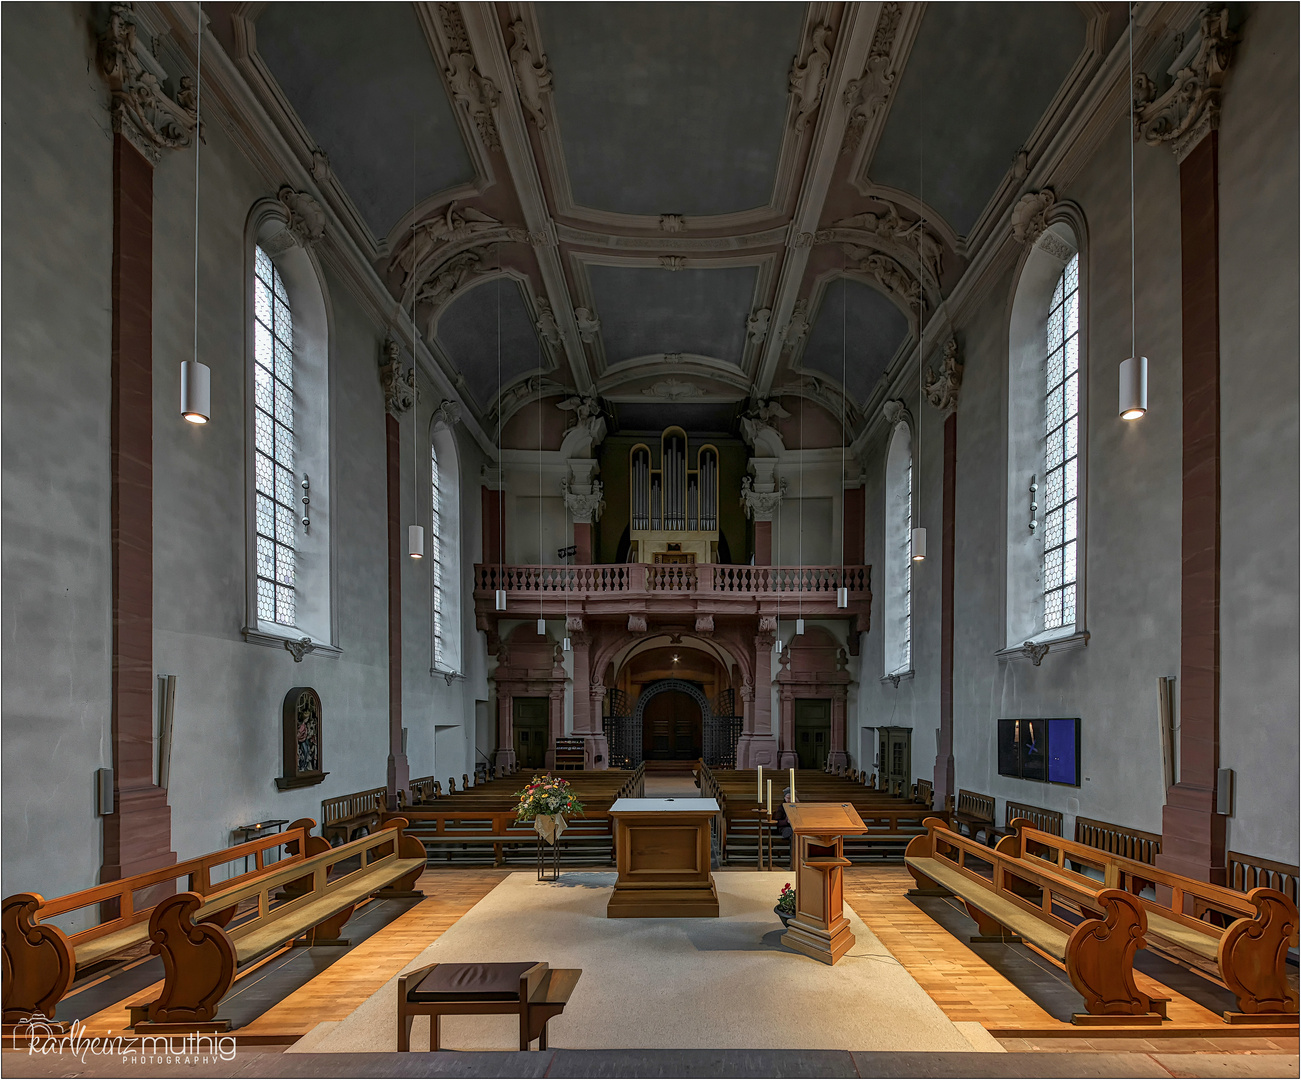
(1133, 304)
(198, 102)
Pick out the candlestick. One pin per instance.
(793, 799)
(770, 798)
(759, 797)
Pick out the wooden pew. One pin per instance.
(1249, 954)
(423, 790)
(924, 793)
(344, 817)
(1043, 820)
(1247, 872)
(1018, 900)
(974, 811)
(41, 961)
(201, 957)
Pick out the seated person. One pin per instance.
(784, 826)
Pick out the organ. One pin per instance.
(673, 494)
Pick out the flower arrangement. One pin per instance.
(786, 900)
(547, 795)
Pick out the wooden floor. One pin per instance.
(965, 986)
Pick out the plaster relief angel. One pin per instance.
(585, 407)
(452, 225)
(531, 74)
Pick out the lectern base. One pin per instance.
(633, 903)
(827, 946)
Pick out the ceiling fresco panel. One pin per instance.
(977, 81)
(467, 332)
(363, 81)
(857, 330)
(671, 107)
(650, 310)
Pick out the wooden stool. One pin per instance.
(531, 989)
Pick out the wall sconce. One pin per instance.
(919, 544)
(1133, 387)
(196, 391)
(1034, 505)
(416, 541)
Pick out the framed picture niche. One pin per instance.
(301, 727)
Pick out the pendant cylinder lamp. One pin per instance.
(499, 600)
(1133, 387)
(842, 597)
(196, 392)
(799, 627)
(566, 645)
(919, 545)
(542, 627)
(416, 541)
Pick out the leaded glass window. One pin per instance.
(436, 554)
(1061, 463)
(276, 508)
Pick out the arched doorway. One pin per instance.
(671, 715)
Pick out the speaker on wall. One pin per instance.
(103, 791)
(1224, 792)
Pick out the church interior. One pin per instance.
(650, 539)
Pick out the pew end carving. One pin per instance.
(198, 963)
(38, 960)
(1100, 959)
(1253, 955)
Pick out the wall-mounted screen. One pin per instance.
(1044, 750)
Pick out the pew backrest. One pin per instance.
(976, 805)
(1247, 872)
(1119, 840)
(346, 807)
(1042, 819)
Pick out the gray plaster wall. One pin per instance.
(1133, 490)
(54, 392)
(56, 556)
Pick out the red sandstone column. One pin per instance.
(398, 772)
(838, 757)
(138, 834)
(758, 746)
(763, 543)
(583, 542)
(789, 759)
(505, 757)
(555, 722)
(1192, 833)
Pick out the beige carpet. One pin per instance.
(668, 983)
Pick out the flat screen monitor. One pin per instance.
(1044, 750)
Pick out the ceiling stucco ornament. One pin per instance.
(673, 262)
(426, 241)
(672, 389)
(1035, 653)
(1030, 215)
(588, 415)
(306, 218)
(911, 243)
(636, 624)
(942, 388)
(803, 239)
(547, 327)
(672, 358)
(865, 95)
(448, 413)
(829, 396)
(893, 411)
(761, 505)
(1190, 108)
(585, 507)
(448, 280)
(672, 223)
(532, 75)
(797, 326)
(535, 386)
(320, 166)
(768, 624)
(888, 272)
(1055, 246)
(400, 390)
(808, 79)
(589, 325)
(142, 113)
(705, 624)
(473, 91)
(756, 326)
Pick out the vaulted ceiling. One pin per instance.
(674, 205)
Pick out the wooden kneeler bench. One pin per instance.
(201, 958)
(1019, 901)
(534, 990)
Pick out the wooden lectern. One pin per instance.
(663, 852)
(820, 929)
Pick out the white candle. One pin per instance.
(793, 799)
(759, 797)
(770, 798)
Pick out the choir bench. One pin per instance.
(973, 813)
(42, 961)
(201, 957)
(1014, 900)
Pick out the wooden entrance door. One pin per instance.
(671, 727)
(812, 732)
(896, 758)
(530, 722)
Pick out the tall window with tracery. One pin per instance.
(276, 511)
(436, 555)
(1061, 460)
(906, 567)
(898, 551)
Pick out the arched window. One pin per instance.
(898, 551)
(288, 447)
(273, 448)
(1046, 412)
(444, 550)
